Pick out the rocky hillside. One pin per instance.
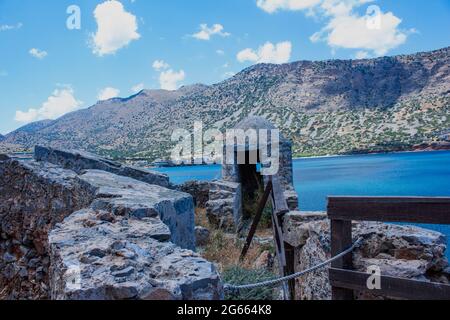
(326, 107)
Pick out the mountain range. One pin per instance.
(325, 107)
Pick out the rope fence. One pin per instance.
(275, 282)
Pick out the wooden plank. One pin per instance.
(390, 209)
(390, 286)
(341, 240)
(279, 250)
(279, 201)
(261, 205)
(285, 257)
(278, 238)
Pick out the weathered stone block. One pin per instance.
(224, 210)
(128, 197)
(34, 197)
(199, 190)
(81, 160)
(202, 236)
(126, 259)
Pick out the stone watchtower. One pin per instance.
(234, 199)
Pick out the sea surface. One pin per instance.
(395, 174)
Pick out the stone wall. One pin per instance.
(92, 234)
(128, 197)
(224, 207)
(81, 160)
(398, 250)
(33, 198)
(199, 190)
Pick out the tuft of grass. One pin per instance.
(201, 219)
(225, 251)
(237, 275)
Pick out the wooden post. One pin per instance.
(257, 219)
(341, 240)
(280, 252)
(285, 259)
(290, 268)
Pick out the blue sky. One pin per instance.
(47, 69)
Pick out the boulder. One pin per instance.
(129, 258)
(202, 236)
(128, 197)
(224, 210)
(80, 160)
(220, 214)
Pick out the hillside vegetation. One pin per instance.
(325, 107)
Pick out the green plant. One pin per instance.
(239, 276)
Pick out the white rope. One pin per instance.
(273, 282)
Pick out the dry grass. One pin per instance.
(200, 218)
(225, 249)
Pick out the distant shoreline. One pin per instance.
(321, 157)
(367, 154)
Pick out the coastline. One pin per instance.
(25, 155)
(368, 154)
(319, 157)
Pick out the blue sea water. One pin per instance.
(396, 174)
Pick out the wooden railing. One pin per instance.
(343, 210)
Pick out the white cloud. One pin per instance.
(272, 6)
(169, 79)
(247, 55)
(116, 28)
(220, 52)
(59, 103)
(6, 27)
(206, 32)
(346, 29)
(159, 65)
(137, 88)
(39, 54)
(268, 53)
(375, 32)
(108, 93)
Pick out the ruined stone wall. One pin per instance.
(199, 190)
(96, 235)
(398, 250)
(34, 197)
(81, 160)
(224, 207)
(128, 197)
